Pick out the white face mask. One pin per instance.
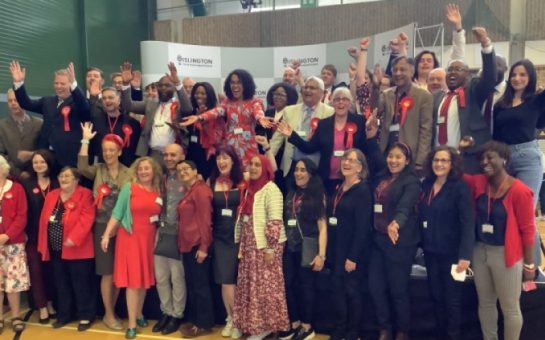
(460, 276)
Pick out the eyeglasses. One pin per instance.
(279, 95)
(306, 87)
(342, 99)
(441, 160)
(457, 69)
(65, 176)
(184, 168)
(351, 160)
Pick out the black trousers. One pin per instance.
(389, 275)
(300, 286)
(446, 294)
(75, 285)
(199, 294)
(348, 306)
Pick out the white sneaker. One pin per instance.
(259, 336)
(236, 333)
(228, 329)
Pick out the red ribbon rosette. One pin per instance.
(65, 111)
(36, 191)
(405, 105)
(103, 191)
(313, 125)
(127, 132)
(351, 129)
(70, 205)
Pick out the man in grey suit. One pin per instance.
(18, 136)
(160, 127)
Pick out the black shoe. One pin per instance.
(304, 335)
(161, 323)
(60, 323)
(172, 326)
(44, 321)
(286, 335)
(83, 326)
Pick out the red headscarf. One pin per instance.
(114, 139)
(255, 185)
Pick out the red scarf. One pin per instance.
(254, 185)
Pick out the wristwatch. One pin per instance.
(530, 266)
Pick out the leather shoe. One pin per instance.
(172, 326)
(161, 323)
(44, 321)
(60, 323)
(83, 326)
(385, 335)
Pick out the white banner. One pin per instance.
(196, 61)
(311, 57)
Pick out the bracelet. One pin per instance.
(363, 49)
(530, 266)
(84, 141)
(529, 270)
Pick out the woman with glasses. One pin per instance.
(448, 235)
(333, 136)
(66, 239)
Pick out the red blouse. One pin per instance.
(195, 218)
(14, 212)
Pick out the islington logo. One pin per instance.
(311, 61)
(191, 61)
(385, 49)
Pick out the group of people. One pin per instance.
(177, 190)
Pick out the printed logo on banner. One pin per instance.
(190, 61)
(196, 61)
(311, 58)
(302, 61)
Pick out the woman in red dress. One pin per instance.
(241, 111)
(137, 210)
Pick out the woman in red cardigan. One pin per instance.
(65, 238)
(14, 277)
(503, 258)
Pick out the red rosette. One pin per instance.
(36, 190)
(127, 132)
(103, 190)
(313, 125)
(174, 111)
(65, 111)
(405, 105)
(70, 205)
(351, 129)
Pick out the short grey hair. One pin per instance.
(457, 60)
(4, 166)
(318, 80)
(342, 91)
(61, 72)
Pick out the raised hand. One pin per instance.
(371, 125)
(352, 68)
(136, 81)
(126, 73)
(481, 35)
(262, 140)
(353, 52)
(173, 74)
(87, 130)
(285, 129)
(295, 64)
(364, 43)
(17, 73)
(71, 73)
(453, 15)
(398, 45)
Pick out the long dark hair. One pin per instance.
(52, 170)
(211, 99)
(247, 81)
(236, 170)
(506, 100)
(456, 163)
(312, 206)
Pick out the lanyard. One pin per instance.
(382, 188)
(112, 126)
(294, 202)
(491, 200)
(432, 195)
(338, 196)
(45, 191)
(228, 183)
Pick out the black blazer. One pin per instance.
(35, 201)
(450, 224)
(322, 141)
(65, 144)
(403, 196)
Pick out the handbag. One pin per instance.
(167, 243)
(309, 248)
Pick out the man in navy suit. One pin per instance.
(62, 113)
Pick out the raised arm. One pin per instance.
(458, 34)
(126, 99)
(18, 75)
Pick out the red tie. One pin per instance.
(443, 112)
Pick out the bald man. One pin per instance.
(188, 84)
(437, 80)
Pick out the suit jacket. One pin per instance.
(65, 144)
(417, 130)
(292, 115)
(13, 140)
(148, 108)
(472, 122)
(323, 139)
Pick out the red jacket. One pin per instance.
(195, 218)
(77, 220)
(519, 207)
(14, 213)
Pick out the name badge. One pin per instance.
(292, 222)
(226, 212)
(333, 221)
(338, 153)
(52, 219)
(425, 224)
(246, 218)
(154, 219)
(194, 139)
(302, 134)
(238, 131)
(441, 120)
(488, 228)
(394, 127)
(159, 200)
(377, 208)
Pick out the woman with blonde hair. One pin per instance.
(137, 210)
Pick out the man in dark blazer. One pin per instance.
(458, 114)
(160, 126)
(62, 113)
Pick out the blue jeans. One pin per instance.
(526, 165)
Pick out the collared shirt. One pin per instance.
(305, 126)
(453, 123)
(161, 133)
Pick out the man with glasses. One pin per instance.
(303, 118)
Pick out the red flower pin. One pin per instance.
(405, 105)
(65, 111)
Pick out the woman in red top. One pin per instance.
(503, 257)
(14, 277)
(194, 239)
(65, 238)
(137, 210)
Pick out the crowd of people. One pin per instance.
(176, 189)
